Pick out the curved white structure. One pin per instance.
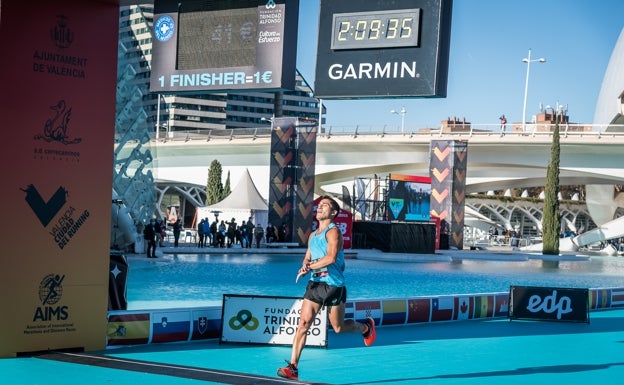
(601, 199)
(609, 103)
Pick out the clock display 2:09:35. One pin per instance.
(376, 29)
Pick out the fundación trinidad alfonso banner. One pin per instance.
(58, 116)
(268, 320)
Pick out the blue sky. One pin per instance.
(489, 39)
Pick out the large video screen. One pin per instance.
(409, 198)
(221, 45)
(217, 38)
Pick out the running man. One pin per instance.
(325, 260)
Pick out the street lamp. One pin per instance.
(402, 113)
(158, 125)
(528, 61)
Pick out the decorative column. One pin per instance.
(448, 164)
(291, 184)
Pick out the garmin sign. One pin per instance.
(377, 49)
(550, 304)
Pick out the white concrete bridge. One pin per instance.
(495, 161)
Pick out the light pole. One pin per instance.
(402, 113)
(528, 61)
(158, 117)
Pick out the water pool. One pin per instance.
(189, 280)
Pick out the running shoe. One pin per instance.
(290, 372)
(370, 335)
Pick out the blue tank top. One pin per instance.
(332, 274)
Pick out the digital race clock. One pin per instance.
(378, 29)
(383, 49)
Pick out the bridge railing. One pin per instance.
(473, 130)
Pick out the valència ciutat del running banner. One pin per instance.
(268, 320)
(58, 92)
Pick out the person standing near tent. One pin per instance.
(213, 232)
(177, 229)
(249, 233)
(200, 234)
(206, 229)
(258, 234)
(221, 234)
(231, 232)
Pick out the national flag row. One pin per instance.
(430, 309)
(136, 328)
(156, 326)
(606, 298)
(458, 307)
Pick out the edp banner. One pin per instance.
(268, 320)
(549, 304)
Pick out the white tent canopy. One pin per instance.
(244, 202)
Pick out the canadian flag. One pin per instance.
(464, 308)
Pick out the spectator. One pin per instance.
(258, 234)
(149, 234)
(200, 234)
(177, 228)
(270, 233)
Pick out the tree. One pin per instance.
(227, 190)
(214, 187)
(551, 221)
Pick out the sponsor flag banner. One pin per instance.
(501, 305)
(484, 306)
(128, 329)
(206, 323)
(169, 326)
(617, 297)
(267, 320)
(394, 312)
(418, 310)
(365, 309)
(442, 308)
(464, 307)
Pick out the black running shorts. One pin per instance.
(325, 295)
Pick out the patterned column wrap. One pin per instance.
(448, 163)
(291, 184)
(306, 161)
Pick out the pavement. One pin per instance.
(477, 352)
(481, 351)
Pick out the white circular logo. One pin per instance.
(164, 28)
